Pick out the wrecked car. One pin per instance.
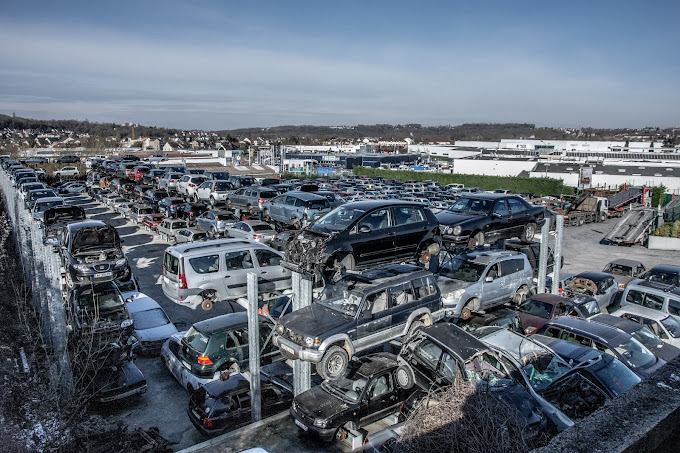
(362, 234)
(364, 393)
(538, 309)
(91, 253)
(151, 325)
(358, 312)
(119, 381)
(57, 218)
(294, 208)
(625, 270)
(599, 285)
(486, 218)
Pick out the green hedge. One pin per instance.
(538, 186)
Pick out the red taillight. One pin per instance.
(204, 360)
(191, 214)
(207, 422)
(192, 185)
(182, 281)
(261, 200)
(257, 236)
(172, 180)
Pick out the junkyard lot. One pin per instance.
(164, 404)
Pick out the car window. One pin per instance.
(429, 353)
(552, 332)
(576, 339)
(653, 301)
(241, 336)
(493, 271)
(635, 297)
(674, 307)
(382, 386)
(501, 208)
(267, 258)
(406, 215)
(376, 302)
(511, 266)
(238, 260)
(485, 368)
(423, 286)
(516, 206)
(401, 294)
(448, 367)
(205, 264)
(231, 341)
(656, 328)
(376, 220)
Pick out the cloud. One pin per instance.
(105, 75)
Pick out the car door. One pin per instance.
(492, 286)
(410, 226)
(203, 191)
(271, 275)
(499, 225)
(372, 237)
(519, 217)
(403, 301)
(234, 279)
(381, 399)
(373, 319)
(276, 207)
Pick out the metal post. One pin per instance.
(543, 257)
(557, 267)
(254, 347)
(302, 297)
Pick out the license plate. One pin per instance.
(186, 365)
(301, 425)
(103, 274)
(288, 349)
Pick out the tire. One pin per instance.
(297, 224)
(265, 216)
(237, 213)
(528, 233)
(234, 368)
(333, 363)
(348, 262)
(405, 378)
(470, 306)
(521, 295)
(476, 240)
(603, 217)
(213, 202)
(195, 198)
(213, 232)
(228, 201)
(581, 221)
(207, 304)
(251, 210)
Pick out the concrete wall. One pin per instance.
(661, 243)
(672, 184)
(492, 167)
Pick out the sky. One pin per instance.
(219, 65)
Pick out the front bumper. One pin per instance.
(325, 434)
(458, 241)
(294, 351)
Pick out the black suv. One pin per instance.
(365, 393)
(190, 211)
(362, 234)
(91, 253)
(358, 312)
(486, 218)
(101, 310)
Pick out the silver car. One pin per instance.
(213, 191)
(185, 235)
(252, 229)
(216, 222)
(295, 208)
(478, 280)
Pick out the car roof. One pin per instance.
(48, 200)
(221, 322)
(379, 277)
(588, 328)
(255, 222)
(552, 299)
(625, 262)
(367, 205)
(594, 276)
(455, 339)
(141, 302)
(624, 324)
(375, 363)
(489, 196)
(226, 244)
(73, 227)
(647, 312)
(513, 343)
(568, 350)
(219, 387)
(306, 196)
(487, 256)
(661, 287)
(668, 268)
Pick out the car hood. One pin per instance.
(666, 352)
(317, 403)
(122, 375)
(314, 320)
(100, 237)
(449, 218)
(528, 321)
(156, 333)
(447, 285)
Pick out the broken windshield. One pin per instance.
(339, 297)
(101, 300)
(337, 220)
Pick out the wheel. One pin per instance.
(521, 295)
(413, 328)
(603, 217)
(470, 306)
(347, 263)
(297, 224)
(195, 198)
(228, 203)
(405, 378)
(251, 210)
(213, 232)
(333, 363)
(266, 216)
(213, 202)
(207, 304)
(581, 221)
(476, 240)
(529, 232)
(237, 213)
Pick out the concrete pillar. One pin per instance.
(559, 232)
(302, 297)
(254, 347)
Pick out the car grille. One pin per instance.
(102, 267)
(293, 336)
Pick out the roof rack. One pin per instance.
(217, 243)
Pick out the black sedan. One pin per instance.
(486, 218)
(190, 211)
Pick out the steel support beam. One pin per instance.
(302, 297)
(254, 347)
(543, 257)
(557, 267)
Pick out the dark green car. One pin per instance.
(221, 344)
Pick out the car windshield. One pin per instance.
(339, 297)
(615, 375)
(667, 278)
(148, 319)
(462, 269)
(589, 308)
(102, 300)
(635, 354)
(228, 216)
(40, 207)
(541, 369)
(348, 387)
(196, 340)
(647, 338)
(316, 204)
(473, 206)
(618, 269)
(672, 326)
(536, 308)
(337, 220)
(261, 228)
(222, 186)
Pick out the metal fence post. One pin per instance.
(254, 347)
(302, 297)
(557, 267)
(543, 257)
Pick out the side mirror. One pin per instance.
(488, 279)
(496, 215)
(364, 229)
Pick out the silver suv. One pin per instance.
(295, 208)
(478, 280)
(217, 270)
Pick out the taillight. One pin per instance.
(172, 180)
(257, 236)
(204, 360)
(207, 422)
(191, 214)
(192, 185)
(261, 200)
(183, 281)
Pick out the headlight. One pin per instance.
(279, 329)
(121, 262)
(294, 406)
(452, 297)
(81, 267)
(448, 230)
(310, 342)
(456, 230)
(126, 323)
(320, 422)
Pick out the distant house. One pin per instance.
(170, 146)
(151, 143)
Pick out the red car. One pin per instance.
(151, 221)
(137, 173)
